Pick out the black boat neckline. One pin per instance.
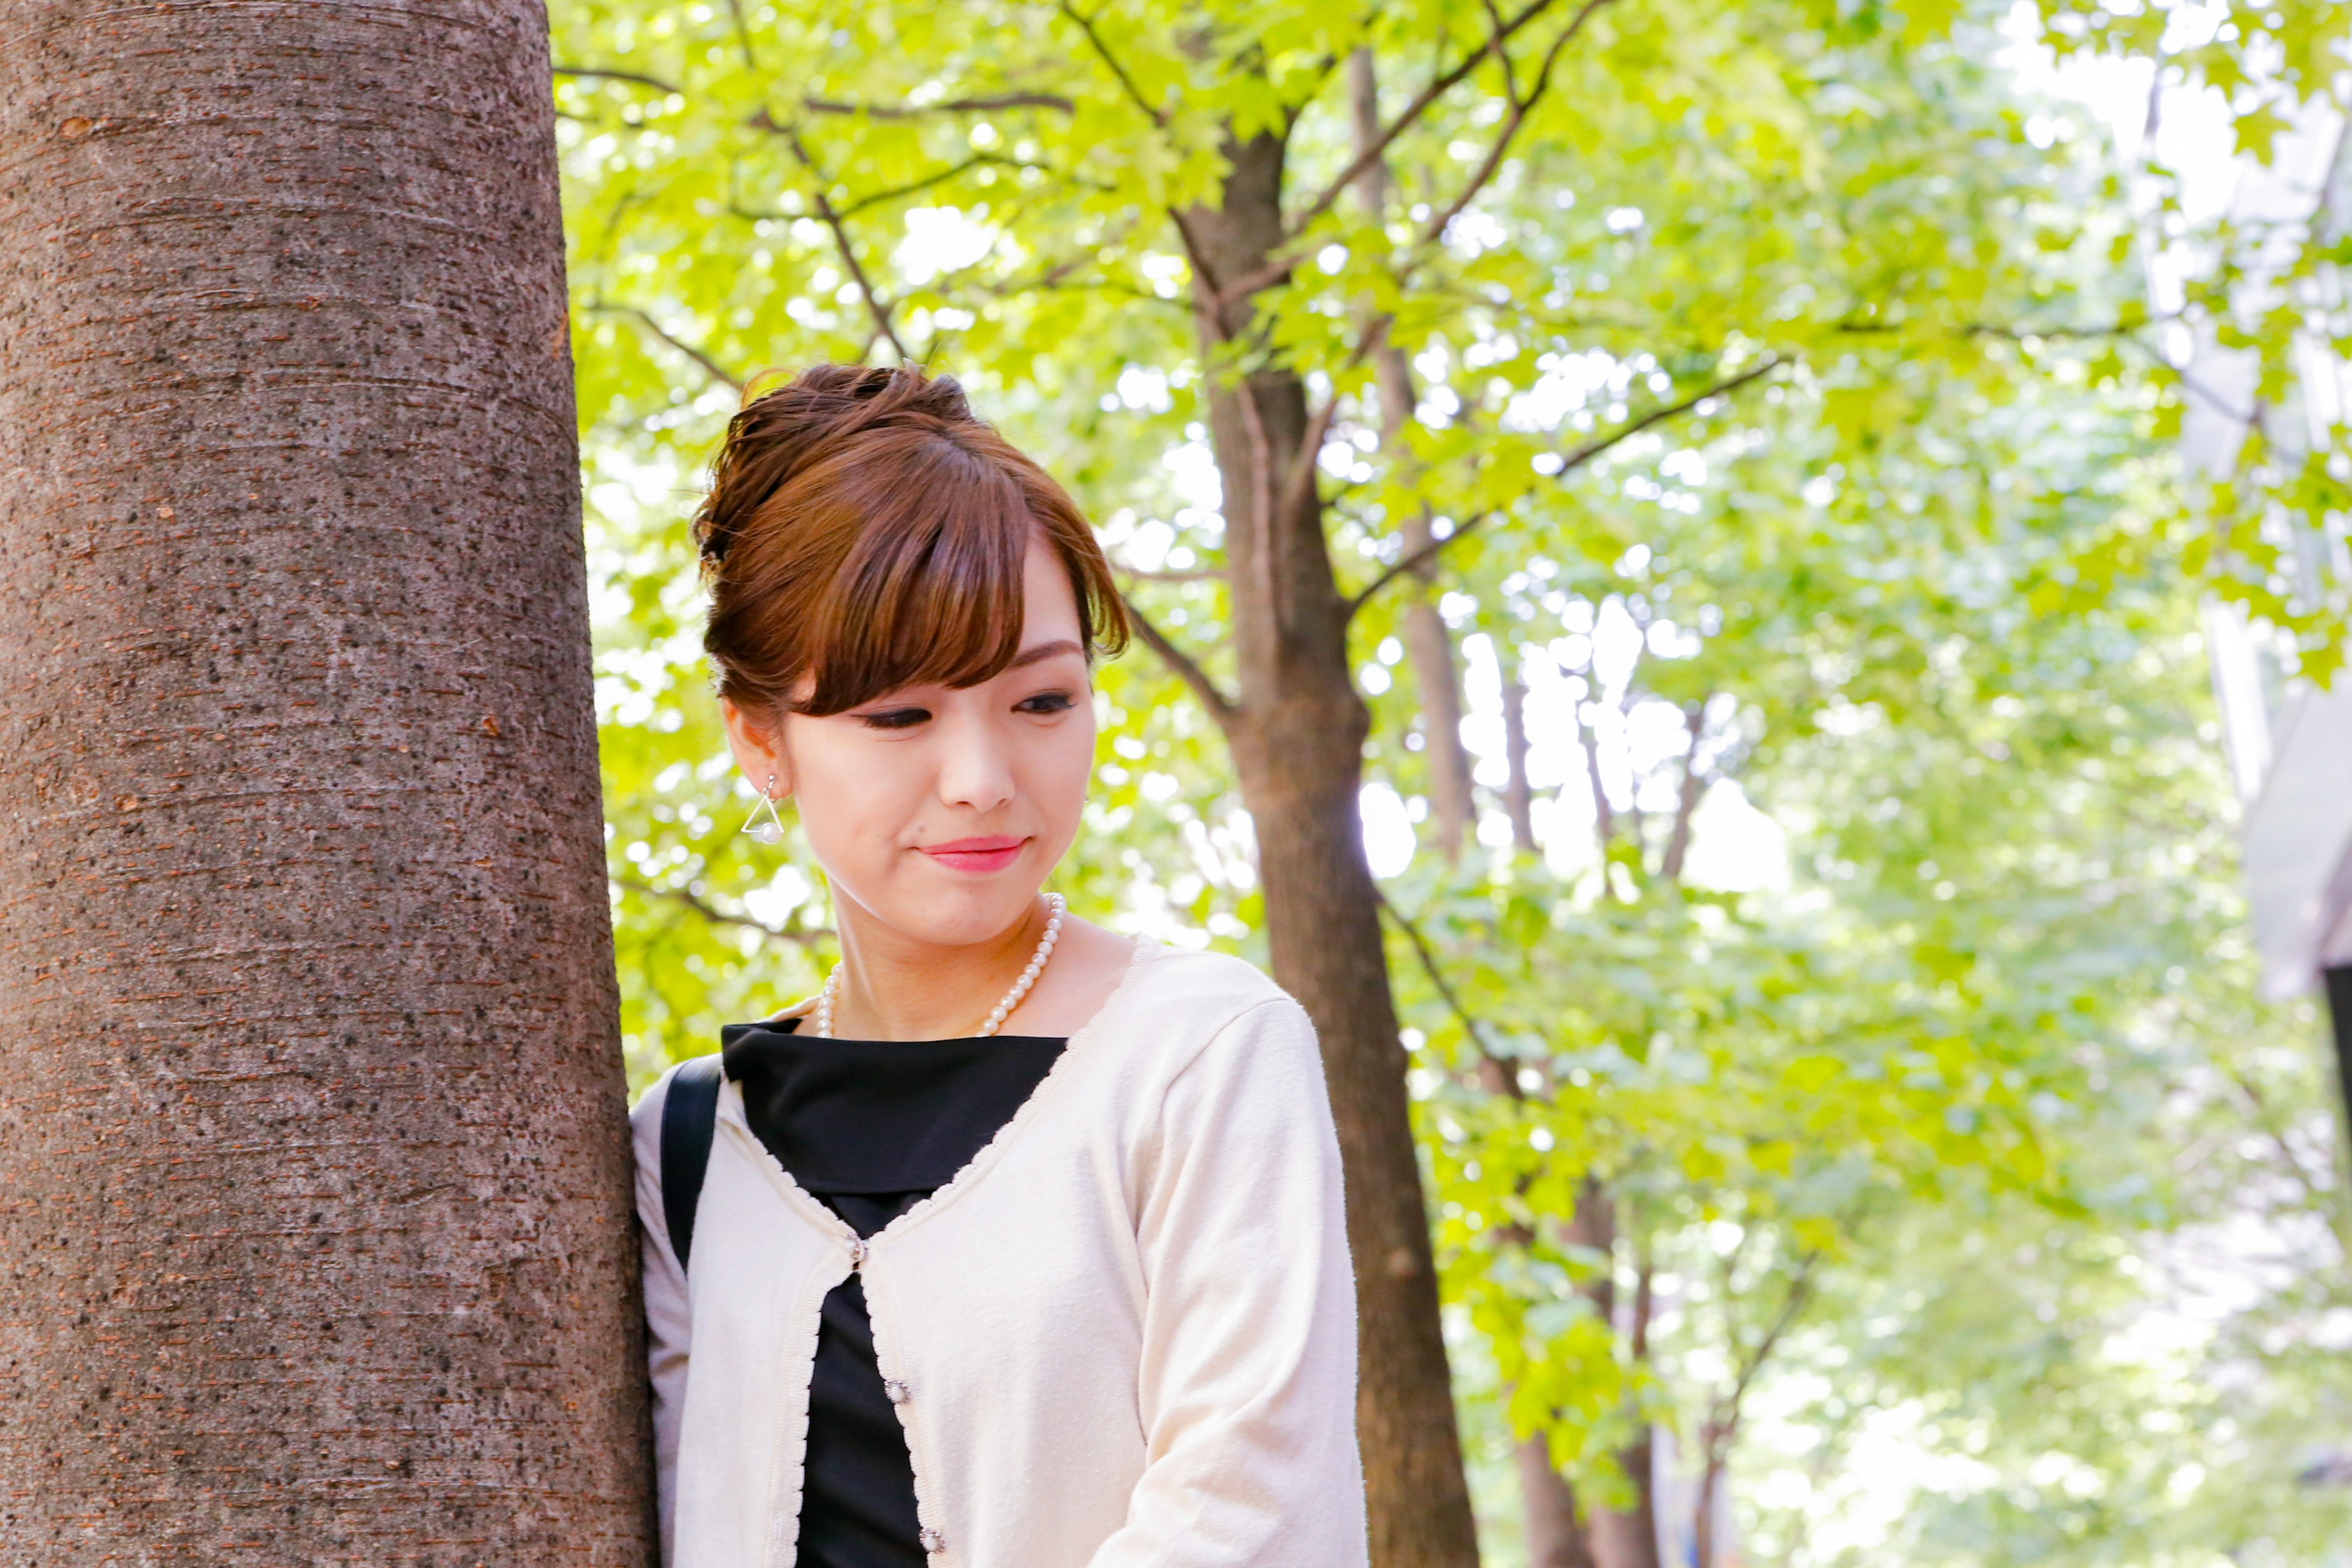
(788, 1029)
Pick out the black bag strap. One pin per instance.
(689, 1118)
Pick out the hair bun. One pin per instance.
(781, 431)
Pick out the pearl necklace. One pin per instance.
(1056, 907)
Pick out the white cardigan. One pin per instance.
(1125, 1333)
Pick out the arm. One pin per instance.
(668, 1323)
(1248, 1380)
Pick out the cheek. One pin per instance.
(1062, 771)
(849, 800)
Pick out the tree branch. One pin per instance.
(710, 366)
(599, 73)
(831, 220)
(1595, 448)
(1413, 561)
(1800, 1291)
(1220, 706)
(718, 916)
(1102, 51)
(743, 37)
(1298, 484)
(1438, 88)
(1139, 574)
(1568, 465)
(1503, 1067)
(1052, 100)
(940, 177)
(1512, 121)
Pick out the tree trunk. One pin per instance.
(1554, 1539)
(1296, 728)
(1710, 1483)
(1630, 1539)
(316, 1230)
(1428, 645)
(1428, 648)
(1519, 794)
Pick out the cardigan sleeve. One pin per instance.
(1248, 1384)
(668, 1322)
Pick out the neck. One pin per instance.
(895, 987)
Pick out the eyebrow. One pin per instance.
(1044, 651)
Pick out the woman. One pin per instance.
(1019, 1246)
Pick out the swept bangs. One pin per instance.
(866, 532)
(930, 590)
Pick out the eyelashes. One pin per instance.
(1045, 704)
(895, 718)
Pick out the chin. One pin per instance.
(966, 912)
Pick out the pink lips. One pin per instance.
(976, 855)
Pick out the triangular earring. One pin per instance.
(772, 830)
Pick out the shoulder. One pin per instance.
(647, 1112)
(1197, 984)
(645, 1116)
(1195, 1005)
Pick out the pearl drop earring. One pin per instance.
(772, 830)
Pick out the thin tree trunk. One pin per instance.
(1518, 795)
(1686, 799)
(1629, 1539)
(1296, 729)
(1555, 1536)
(1428, 643)
(1703, 1511)
(316, 1212)
(1554, 1539)
(1428, 648)
(1604, 821)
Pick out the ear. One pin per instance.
(757, 744)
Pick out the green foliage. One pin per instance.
(1790, 397)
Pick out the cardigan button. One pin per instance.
(857, 1254)
(896, 1390)
(933, 1543)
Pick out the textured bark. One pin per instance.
(1296, 728)
(1428, 643)
(315, 1240)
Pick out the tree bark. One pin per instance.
(315, 1243)
(1296, 729)
(1428, 643)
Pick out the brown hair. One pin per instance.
(865, 530)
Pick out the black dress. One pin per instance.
(870, 1128)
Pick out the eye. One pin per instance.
(1045, 702)
(895, 718)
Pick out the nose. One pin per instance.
(975, 772)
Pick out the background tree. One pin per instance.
(317, 1219)
(1782, 350)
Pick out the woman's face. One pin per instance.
(939, 812)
